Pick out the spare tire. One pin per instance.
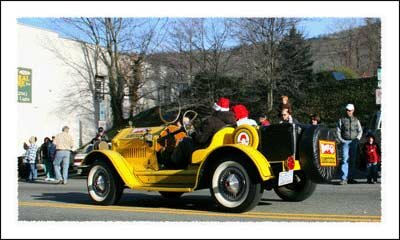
(318, 153)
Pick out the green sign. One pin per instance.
(24, 85)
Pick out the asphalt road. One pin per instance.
(43, 201)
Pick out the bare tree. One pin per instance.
(145, 37)
(261, 36)
(370, 34)
(355, 44)
(121, 44)
(347, 42)
(198, 45)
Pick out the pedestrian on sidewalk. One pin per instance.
(51, 149)
(349, 132)
(372, 153)
(30, 159)
(64, 145)
(44, 152)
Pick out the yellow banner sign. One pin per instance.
(327, 153)
(24, 85)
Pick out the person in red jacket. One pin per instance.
(263, 120)
(372, 155)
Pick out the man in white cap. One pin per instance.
(349, 132)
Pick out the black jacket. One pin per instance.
(212, 124)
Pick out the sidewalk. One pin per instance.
(359, 176)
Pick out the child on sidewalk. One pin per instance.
(372, 153)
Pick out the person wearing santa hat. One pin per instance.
(200, 138)
(219, 118)
(242, 115)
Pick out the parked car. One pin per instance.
(79, 155)
(374, 127)
(237, 166)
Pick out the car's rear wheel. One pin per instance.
(104, 185)
(301, 188)
(234, 187)
(171, 195)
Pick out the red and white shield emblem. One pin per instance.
(243, 138)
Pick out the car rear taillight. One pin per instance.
(289, 163)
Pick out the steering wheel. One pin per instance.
(190, 115)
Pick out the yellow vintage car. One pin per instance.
(237, 166)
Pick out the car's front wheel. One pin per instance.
(232, 188)
(301, 188)
(104, 185)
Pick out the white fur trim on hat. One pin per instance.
(218, 108)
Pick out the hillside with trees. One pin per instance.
(252, 61)
(274, 59)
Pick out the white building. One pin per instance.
(59, 87)
(57, 98)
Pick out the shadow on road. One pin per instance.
(69, 197)
(198, 203)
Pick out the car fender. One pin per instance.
(121, 165)
(260, 162)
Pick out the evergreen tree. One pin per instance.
(206, 88)
(295, 66)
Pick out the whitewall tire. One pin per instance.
(232, 187)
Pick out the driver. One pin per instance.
(201, 138)
(100, 136)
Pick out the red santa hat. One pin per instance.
(222, 105)
(240, 111)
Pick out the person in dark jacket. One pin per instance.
(51, 148)
(349, 132)
(100, 136)
(286, 117)
(44, 152)
(315, 119)
(220, 118)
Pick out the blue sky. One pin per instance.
(312, 27)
